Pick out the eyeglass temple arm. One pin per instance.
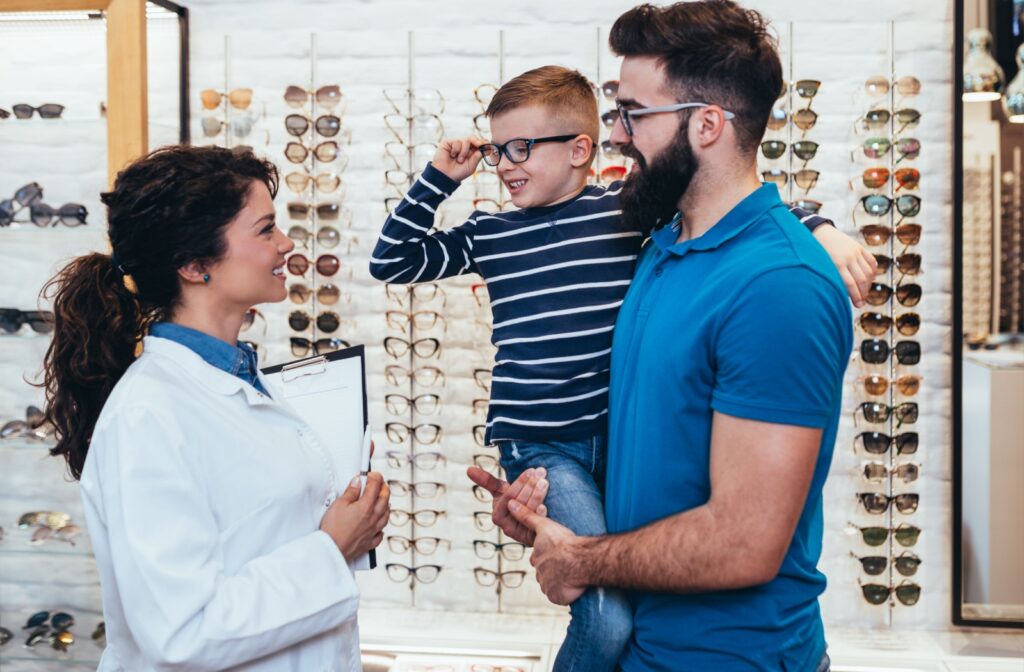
(673, 108)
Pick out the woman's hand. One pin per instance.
(356, 522)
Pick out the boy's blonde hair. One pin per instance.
(566, 93)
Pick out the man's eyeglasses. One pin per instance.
(517, 150)
(626, 116)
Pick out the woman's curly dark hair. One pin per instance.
(166, 209)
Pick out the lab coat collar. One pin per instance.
(205, 374)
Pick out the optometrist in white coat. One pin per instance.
(221, 526)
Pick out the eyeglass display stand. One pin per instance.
(314, 192)
(978, 252)
(1010, 261)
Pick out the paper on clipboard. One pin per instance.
(329, 393)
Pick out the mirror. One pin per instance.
(988, 317)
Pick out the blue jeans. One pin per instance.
(601, 619)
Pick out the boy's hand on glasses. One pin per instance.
(856, 265)
(529, 490)
(458, 157)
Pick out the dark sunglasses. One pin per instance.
(69, 214)
(876, 235)
(878, 502)
(877, 413)
(802, 149)
(878, 205)
(907, 593)
(877, 118)
(805, 179)
(876, 351)
(327, 322)
(908, 295)
(877, 324)
(877, 147)
(12, 320)
(906, 535)
(905, 563)
(330, 211)
(517, 150)
(327, 125)
(46, 110)
(877, 443)
(326, 265)
(302, 346)
(804, 119)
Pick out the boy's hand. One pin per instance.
(458, 157)
(529, 490)
(856, 265)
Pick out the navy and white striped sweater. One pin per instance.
(556, 276)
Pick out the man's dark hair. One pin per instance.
(712, 51)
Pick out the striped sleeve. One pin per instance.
(810, 220)
(407, 252)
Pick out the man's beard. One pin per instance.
(651, 195)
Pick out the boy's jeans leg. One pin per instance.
(601, 618)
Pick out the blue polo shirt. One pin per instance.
(750, 320)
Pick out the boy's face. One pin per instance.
(548, 176)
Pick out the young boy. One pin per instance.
(556, 271)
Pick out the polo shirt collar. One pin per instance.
(737, 220)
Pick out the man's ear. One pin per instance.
(582, 150)
(711, 124)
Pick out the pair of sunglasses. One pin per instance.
(69, 214)
(326, 236)
(906, 264)
(327, 322)
(906, 535)
(878, 205)
(908, 294)
(423, 573)
(805, 179)
(877, 472)
(876, 235)
(425, 461)
(240, 99)
(877, 443)
(45, 111)
(876, 351)
(12, 320)
(877, 324)
(907, 385)
(327, 125)
(878, 502)
(907, 593)
(877, 147)
(326, 265)
(802, 149)
(879, 117)
(906, 563)
(876, 177)
(328, 96)
(877, 413)
(804, 119)
(299, 182)
(302, 346)
(326, 211)
(325, 152)
(422, 545)
(326, 294)
(879, 85)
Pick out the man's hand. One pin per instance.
(856, 265)
(556, 555)
(529, 489)
(458, 157)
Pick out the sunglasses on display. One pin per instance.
(879, 118)
(423, 573)
(51, 519)
(325, 211)
(425, 461)
(327, 182)
(415, 101)
(907, 593)
(240, 99)
(328, 96)
(327, 265)
(877, 472)
(878, 503)
(906, 535)
(804, 119)
(487, 578)
(41, 214)
(327, 125)
(12, 320)
(487, 550)
(327, 321)
(45, 111)
(805, 179)
(326, 294)
(421, 319)
(877, 324)
(877, 443)
(239, 127)
(878, 413)
(326, 236)
(610, 151)
(424, 376)
(906, 563)
(876, 178)
(906, 148)
(423, 348)
(250, 317)
(908, 295)
(876, 351)
(802, 149)
(907, 385)
(302, 346)
(422, 489)
(879, 85)
(422, 545)
(809, 205)
(422, 518)
(907, 263)
(878, 205)
(876, 235)
(424, 404)
(325, 152)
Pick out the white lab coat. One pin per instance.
(203, 499)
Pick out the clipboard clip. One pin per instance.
(307, 367)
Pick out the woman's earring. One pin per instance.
(206, 277)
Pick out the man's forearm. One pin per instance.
(692, 551)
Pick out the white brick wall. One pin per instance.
(362, 46)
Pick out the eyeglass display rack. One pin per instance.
(894, 424)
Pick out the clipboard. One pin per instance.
(329, 393)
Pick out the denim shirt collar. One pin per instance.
(238, 360)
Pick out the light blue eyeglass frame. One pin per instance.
(625, 114)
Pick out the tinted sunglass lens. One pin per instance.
(873, 564)
(875, 442)
(50, 111)
(909, 295)
(874, 351)
(907, 413)
(28, 194)
(805, 119)
(806, 179)
(878, 294)
(908, 206)
(72, 214)
(908, 324)
(296, 124)
(906, 535)
(298, 320)
(327, 264)
(22, 111)
(772, 149)
(906, 443)
(328, 294)
(907, 564)
(874, 502)
(908, 352)
(300, 346)
(909, 264)
(874, 412)
(908, 594)
(874, 536)
(328, 322)
(778, 119)
(875, 593)
(805, 149)
(41, 214)
(875, 324)
(876, 204)
(876, 148)
(807, 88)
(328, 125)
(775, 176)
(875, 234)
